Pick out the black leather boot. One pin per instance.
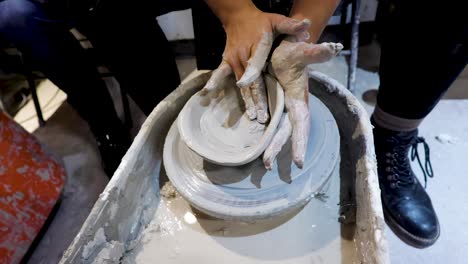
(112, 145)
(407, 207)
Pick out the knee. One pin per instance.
(15, 13)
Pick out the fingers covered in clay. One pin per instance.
(217, 77)
(257, 61)
(291, 26)
(282, 135)
(298, 111)
(292, 56)
(258, 92)
(254, 96)
(250, 109)
(296, 99)
(289, 65)
(303, 36)
(317, 53)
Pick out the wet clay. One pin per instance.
(131, 206)
(215, 125)
(250, 191)
(180, 234)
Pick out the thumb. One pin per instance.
(285, 25)
(257, 61)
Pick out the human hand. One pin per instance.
(289, 65)
(250, 34)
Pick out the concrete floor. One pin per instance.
(446, 132)
(68, 135)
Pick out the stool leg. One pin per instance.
(37, 106)
(355, 10)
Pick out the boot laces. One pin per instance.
(400, 169)
(427, 168)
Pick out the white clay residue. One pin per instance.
(257, 61)
(216, 125)
(180, 234)
(168, 230)
(226, 125)
(446, 139)
(99, 250)
(168, 191)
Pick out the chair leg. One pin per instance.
(356, 16)
(2, 105)
(343, 16)
(37, 106)
(32, 86)
(126, 108)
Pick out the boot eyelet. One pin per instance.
(388, 154)
(390, 177)
(388, 169)
(393, 185)
(388, 161)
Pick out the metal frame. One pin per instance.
(37, 105)
(354, 45)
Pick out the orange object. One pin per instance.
(31, 181)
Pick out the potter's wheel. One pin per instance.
(249, 191)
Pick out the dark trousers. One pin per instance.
(130, 41)
(424, 48)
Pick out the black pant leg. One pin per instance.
(424, 48)
(137, 49)
(48, 44)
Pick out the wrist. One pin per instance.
(238, 13)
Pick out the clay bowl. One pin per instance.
(216, 127)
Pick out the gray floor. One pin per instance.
(448, 187)
(446, 131)
(69, 136)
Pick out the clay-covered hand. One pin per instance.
(250, 35)
(289, 65)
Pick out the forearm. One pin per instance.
(226, 9)
(317, 11)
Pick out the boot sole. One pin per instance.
(407, 237)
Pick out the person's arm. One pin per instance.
(289, 64)
(317, 11)
(250, 34)
(227, 10)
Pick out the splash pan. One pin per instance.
(136, 221)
